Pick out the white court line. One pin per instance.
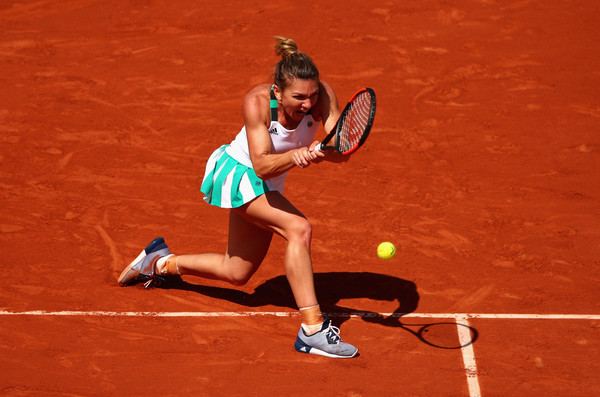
(468, 355)
(99, 313)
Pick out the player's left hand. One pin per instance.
(303, 157)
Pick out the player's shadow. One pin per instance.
(331, 289)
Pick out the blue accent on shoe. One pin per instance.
(301, 346)
(156, 244)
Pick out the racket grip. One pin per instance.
(319, 147)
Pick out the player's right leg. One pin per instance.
(247, 246)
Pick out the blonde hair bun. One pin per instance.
(285, 47)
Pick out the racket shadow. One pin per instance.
(334, 287)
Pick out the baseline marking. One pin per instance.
(455, 316)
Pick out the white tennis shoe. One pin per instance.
(326, 342)
(143, 268)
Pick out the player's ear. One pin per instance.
(278, 92)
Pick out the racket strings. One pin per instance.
(355, 123)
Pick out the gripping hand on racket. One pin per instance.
(303, 157)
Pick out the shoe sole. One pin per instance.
(130, 274)
(304, 348)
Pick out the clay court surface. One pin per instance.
(482, 167)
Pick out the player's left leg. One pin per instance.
(273, 212)
(317, 335)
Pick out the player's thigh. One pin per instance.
(248, 243)
(272, 211)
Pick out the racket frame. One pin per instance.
(338, 126)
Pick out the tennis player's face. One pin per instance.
(299, 97)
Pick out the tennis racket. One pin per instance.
(354, 124)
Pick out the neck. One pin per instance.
(286, 121)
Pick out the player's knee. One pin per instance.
(301, 230)
(239, 278)
(239, 281)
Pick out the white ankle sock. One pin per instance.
(160, 265)
(311, 329)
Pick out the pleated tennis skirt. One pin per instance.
(229, 184)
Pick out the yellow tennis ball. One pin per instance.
(386, 250)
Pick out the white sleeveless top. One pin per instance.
(282, 140)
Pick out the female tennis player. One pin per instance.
(247, 176)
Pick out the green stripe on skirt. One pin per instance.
(228, 183)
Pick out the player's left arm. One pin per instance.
(328, 111)
(327, 106)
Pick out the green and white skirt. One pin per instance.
(229, 184)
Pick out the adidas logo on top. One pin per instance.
(273, 131)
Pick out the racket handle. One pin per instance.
(319, 147)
